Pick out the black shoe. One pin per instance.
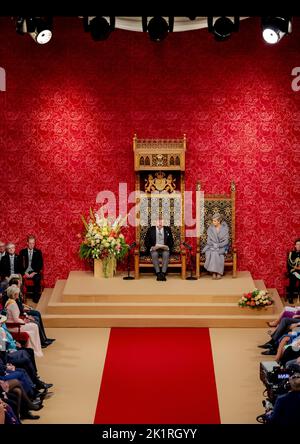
(271, 351)
(43, 386)
(45, 395)
(46, 386)
(37, 406)
(29, 415)
(267, 345)
(164, 277)
(50, 340)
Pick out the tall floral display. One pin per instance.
(103, 242)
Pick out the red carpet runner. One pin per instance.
(158, 376)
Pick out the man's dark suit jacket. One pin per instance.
(286, 409)
(36, 263)
(150, 238)
(5, 266)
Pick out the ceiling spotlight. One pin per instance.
(222, 27)
(157, 27)
(274, 28)
(39, 28)
(99, 27)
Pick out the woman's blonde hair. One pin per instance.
(12, 290)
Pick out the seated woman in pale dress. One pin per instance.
(13, 315)
(216, 246)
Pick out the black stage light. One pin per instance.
(157, 27)
(222, 27)
(99, 27)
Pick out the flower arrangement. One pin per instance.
(255, 299)
(102, 238)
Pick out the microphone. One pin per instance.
(130, 247)
(186, 245)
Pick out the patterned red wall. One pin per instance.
(72, 106)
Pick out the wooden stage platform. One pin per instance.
(85, 301)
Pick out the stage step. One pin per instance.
(192, 311)
(216, 321)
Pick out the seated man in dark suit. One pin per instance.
(3, 284)
(10, 264)
(32, 264)
(2, 249)
(159, 242)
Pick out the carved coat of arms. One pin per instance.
(160, 183)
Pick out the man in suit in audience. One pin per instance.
(156, 236)
(2, 249)
(2, 254)
(10, 264)
(32, 264)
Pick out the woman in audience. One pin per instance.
(2, 412)
(27, 311)
(290, 339)
(20, 357)
(288, 312)
(290, 352)
(216, 247)
(13, 315)
(7, 414)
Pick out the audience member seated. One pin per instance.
(13, 316)
(13, 353)
(2, 249)
(28, 312)
(290, 352)
(294, 364)
(288, 312)
(32, 263)
(290, 339)
(7, 414)
(23, 405)
(2, 412)
(284, 327)
(10, 264)
(9, 371)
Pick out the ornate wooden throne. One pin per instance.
(225, 205)
(159, 171)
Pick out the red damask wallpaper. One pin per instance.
(71, 108)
